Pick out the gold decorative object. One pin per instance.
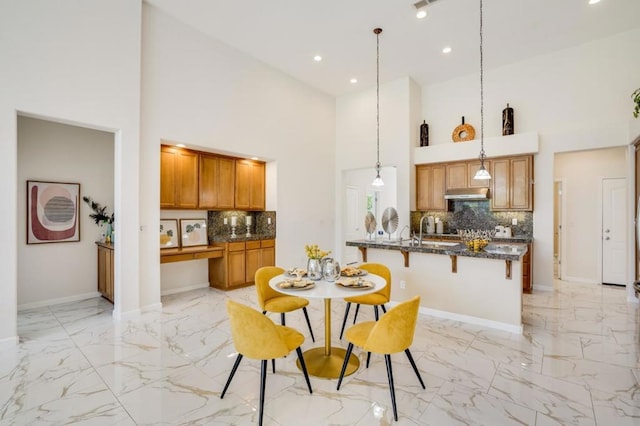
(464, 132)
(475, 240)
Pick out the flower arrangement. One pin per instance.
(314, 252)
(99, 214)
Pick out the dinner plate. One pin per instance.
(291, 272)
(360, 273)
(355, 284)
(296, 285)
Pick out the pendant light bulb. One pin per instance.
(378, 180)
(482, 173)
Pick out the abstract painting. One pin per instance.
(193, 232)
(169, 233)
(52, 212)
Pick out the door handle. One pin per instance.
(607, 238)
(606, 230)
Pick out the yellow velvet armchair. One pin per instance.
(379, 298)
(393, 333)
(257, 337)
(270, 300)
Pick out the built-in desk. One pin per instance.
(190, 253)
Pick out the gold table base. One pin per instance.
(328, 366)
(327, 362)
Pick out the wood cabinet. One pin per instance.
(178, 178)
(200, 180)
(456, 175)
(430, 187)
(250, 185)
(527, 276)
(105, 271)
(238, 266)
(512, 183)
(216, 182)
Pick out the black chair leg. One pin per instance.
(384, 309)
(306, 316)
(304, 368)
(263, 382)
(368, 358)
(344, 364)
(356, 315)
(387, 359)
(273, 366)
(282, 319)
(233, 371)
(344, 321)
(375, 312)
(415, 368)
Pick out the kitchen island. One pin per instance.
(482, 287)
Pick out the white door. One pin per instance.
(614, 235)
(353, 228)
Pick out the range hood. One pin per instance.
(467, 194)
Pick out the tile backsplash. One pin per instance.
(262, 223)
(476, 215)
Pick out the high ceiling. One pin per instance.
(286, 34)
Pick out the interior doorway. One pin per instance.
(614, 235)
(557, 229)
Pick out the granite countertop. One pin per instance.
(525, 239)
(501, 251)
(253, 237)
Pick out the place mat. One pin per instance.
(350, 271)
(355, 283)
(296, 284)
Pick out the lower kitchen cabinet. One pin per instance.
(527, 276)
(240, 262)
(105, 270)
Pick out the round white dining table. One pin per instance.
(326, 362)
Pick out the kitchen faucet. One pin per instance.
(421, 222)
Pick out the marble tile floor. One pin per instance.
(577, 363)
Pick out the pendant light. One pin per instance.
(378, 180)
(482, 173)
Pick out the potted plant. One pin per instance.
(636, 99)
(101, 218)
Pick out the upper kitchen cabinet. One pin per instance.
(430, 187)
(178, 178)
(250, 185)
(216, 182)
(512, 183)
(456, 175)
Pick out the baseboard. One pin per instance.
(123, 316)
(469, 319)
(156, 307)
(579, 280)
(58, 301)
(183, 289)
(9, 341)
(543, 287)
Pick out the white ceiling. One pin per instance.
(286, 34)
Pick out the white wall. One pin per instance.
(576, 99)
(75, 62)
(582, 173)
(208, 95)
(55, 152)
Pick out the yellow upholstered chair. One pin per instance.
(257, 337)
(270, 300)
(379, 298)
(393, 333)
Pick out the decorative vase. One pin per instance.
(507, 121)
(424, 133)
(314, 269)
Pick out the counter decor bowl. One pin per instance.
(475, 240)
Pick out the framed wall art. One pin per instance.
(52, 212)
(193, 232)
(169, 233)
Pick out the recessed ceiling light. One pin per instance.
(594, 1)
(421, 14)
(317, 58)
(181, 145)
(446, 49)
(353, 80)
(421, 8)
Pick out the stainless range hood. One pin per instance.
(467, 194)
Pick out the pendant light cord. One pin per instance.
(482, 155)
(378, 31)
